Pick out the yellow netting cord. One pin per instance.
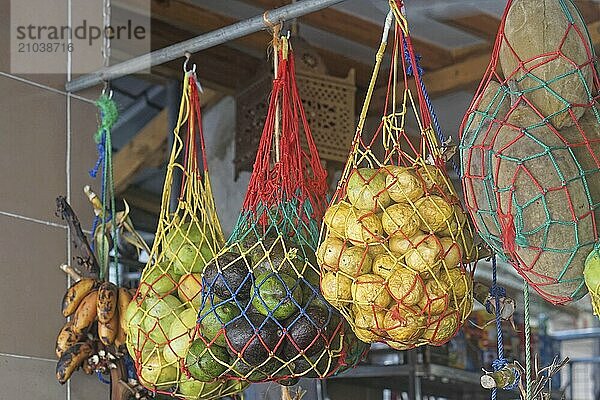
(162, 319)
(395, 243)
(263, 317)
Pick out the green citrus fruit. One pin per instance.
(276, 294)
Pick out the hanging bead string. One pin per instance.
(527, 341)
(498, 292)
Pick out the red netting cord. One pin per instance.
(505, 217)
(194, 137)
(298, 174)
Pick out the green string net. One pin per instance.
(396, 243)
(161, 319)
(262, 317)
(529, 148)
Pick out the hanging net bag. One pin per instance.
(591, 274)
(395, 241)
(530, 147)
(262, 316)
(162, 318)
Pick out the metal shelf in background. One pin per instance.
(421, 371)
(205, 41)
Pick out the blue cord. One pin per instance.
(101, 378)
(100, 163)
(434, 119)
(129, 366)
(101, 148)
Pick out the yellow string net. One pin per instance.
(263, 317)
(162, 318)
(395, 243)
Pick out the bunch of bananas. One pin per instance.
(96, 309)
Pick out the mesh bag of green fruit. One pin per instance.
(161, 320)
(530, 147)
(591, 275)
(395, 243)
(262, 317)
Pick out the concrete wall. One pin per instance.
(219, 130)
(44, 154)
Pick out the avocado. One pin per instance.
(278, 294)
(316, 366)
(251, 247)
(246, 335)
(213, 319)
(282, 258)
(289, 381)
(311, 293)
(228, 276)
(204, 363)
(308, 332)
(356, 349)
(266, 371)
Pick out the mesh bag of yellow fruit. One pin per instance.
(161, 320)
(395, 241)
(262, 316)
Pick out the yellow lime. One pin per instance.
(364, 228)
(355, 261)
(336, 289)
(435, 213)
(369, 290)
(403, 184)
(406, 287)
(366, 189)
(335, 218)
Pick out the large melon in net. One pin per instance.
(550, 38)
(547, 200)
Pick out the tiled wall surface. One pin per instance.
(44, 154)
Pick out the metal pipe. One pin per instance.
(201, 42)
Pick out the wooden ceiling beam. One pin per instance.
(362, 31)
(444, 80)
(183, 16)
(222, 68)
(590, 10)
(142, 199)
(136, 154)
(462, 74)
(483, 25)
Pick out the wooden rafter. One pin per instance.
(481, 24)
(187, 20)
(225, 67)
(134, 156)
(361, 31)
(222, 68)
(142, 199)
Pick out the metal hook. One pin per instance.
(104, 89)
(188, 55)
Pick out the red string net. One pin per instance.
(530, 145)
(161, 319)
(262, 316)
(395, 240)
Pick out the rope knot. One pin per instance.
(499, 363)
(108, 116)
(497, 291)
